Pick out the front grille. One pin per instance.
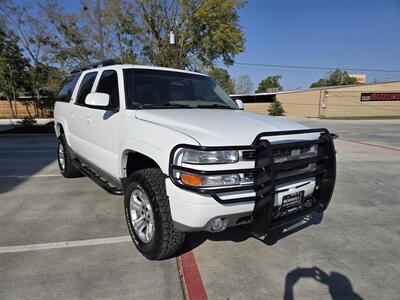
(292, 154)
(249, 154)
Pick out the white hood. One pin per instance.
(220, 127)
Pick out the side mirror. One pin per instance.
(239, 103)
(97, 99)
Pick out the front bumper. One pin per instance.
(193, 208)
(191, 211)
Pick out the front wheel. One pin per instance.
(148, 215)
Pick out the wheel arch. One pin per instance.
(132, 161)
(61, 127)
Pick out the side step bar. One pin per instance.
(103, 182)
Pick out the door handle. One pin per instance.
(88, 120)
(72, 115)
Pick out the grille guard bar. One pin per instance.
(264, 174)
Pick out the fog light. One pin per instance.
(216, 224)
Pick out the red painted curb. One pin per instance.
(192, 284)
(373, 145)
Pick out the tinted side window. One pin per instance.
(108, 84)
(65, 93)
(85, 88)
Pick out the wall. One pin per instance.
(22, 109)
(342, 102)
(260, 108)
(302, 103)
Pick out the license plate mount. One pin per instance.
(292, 200)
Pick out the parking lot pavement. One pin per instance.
(38, 206)
(67, 238)
(353, 253)
(382, 132)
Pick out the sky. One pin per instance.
(326, 33)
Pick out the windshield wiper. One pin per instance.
(214, 106)
(161, 105)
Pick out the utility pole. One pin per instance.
(100, 28)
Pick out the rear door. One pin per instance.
(104, 124)
(78, 123)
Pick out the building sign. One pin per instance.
(380, 96)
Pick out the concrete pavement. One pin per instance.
(351, 252)
(40, 206)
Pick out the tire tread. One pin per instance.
(171, 239)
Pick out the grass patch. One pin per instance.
(364, 118)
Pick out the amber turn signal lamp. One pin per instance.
(190, 179)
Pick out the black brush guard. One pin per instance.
(265, 180)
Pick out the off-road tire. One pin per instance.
(69, 171)
(166, 241)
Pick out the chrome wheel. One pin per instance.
(141, 215)
(61, 156)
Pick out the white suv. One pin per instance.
(186, 156)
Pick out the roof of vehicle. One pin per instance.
(110, 64)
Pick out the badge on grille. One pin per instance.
(295, 152)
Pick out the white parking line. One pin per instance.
(69, 244)
(30, 176)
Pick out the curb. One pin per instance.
(189, 273)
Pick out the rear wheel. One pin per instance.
(148, 215)
(65, 160)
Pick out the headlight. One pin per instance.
(210, 181)
(191, 156)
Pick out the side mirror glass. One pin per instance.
(239, 103)
(97, 99)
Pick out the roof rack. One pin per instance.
(99, 64)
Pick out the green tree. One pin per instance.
(74, 39)
(13, 69)
(271, 82)
(204, 30)
(223, 78)
(27, 23)
(49, 80)
(336, 77)
(276, 108)
(244, 85)
(139, 30)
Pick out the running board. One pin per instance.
(103, 182)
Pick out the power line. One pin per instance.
(314, 67)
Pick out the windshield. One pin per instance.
(153, 89)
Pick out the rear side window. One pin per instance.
(65, 93)
(108, 84)
(85, 88)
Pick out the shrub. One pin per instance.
(276, 109)
(27, 121)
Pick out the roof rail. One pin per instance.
(103, 63)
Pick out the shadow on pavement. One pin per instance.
(339, 285)
(242, 233)
(22, 156)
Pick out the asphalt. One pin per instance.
(40, 207)
(350, 252)
(354, 251)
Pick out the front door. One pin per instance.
(104, 125)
